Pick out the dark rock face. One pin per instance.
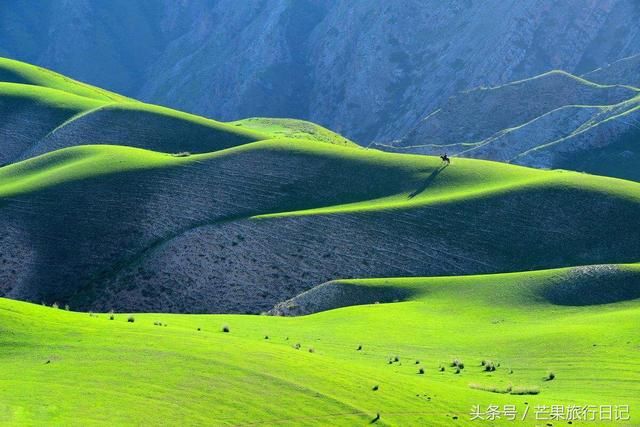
(370, 70)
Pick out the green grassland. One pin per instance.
(111, 371)
(109, 202)
(44, 111)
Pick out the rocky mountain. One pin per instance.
(370, 70)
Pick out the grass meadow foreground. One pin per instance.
(457, 346)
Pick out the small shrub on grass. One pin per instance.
(226, 329)
(359, 347)
(297, 346)
(441, 368)
(182, 154)
(421, 371)
(457, 371)
(131, 319)
(417, 362)
(266, 337)
(199, 329)
(396, 359)
(66, 307)
(311, 350)
(489, 366)
(550, 376)
(54, 305)
(375, 387)
(457, 363)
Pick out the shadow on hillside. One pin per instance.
(427, 182)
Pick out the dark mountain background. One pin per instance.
(369, 69)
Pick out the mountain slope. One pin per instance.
(370, 70)
(244, 228)
(554, 120)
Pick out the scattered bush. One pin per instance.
(457, 371)
(375, 387)
(441, 368)
(396, 359)
(199, 329)
(457, 363)
(421, 371)
(489, 366)
(417, 362)
(225, 329)
(66, 307)
(311, 350)
(550, 376)
(131, 319)
(297, 346)
(182, 154)
(359, 347)
(266, 337)
(54, 305)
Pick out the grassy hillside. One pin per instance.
(553, 120)
(265, 221)
(44, 111)
(12, 71)
(291, 128)
(78, 369)
(108, 203)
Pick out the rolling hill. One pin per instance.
(115, 227)
(44, 111)
(266, 208)
(400, 265)
(338, 366)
